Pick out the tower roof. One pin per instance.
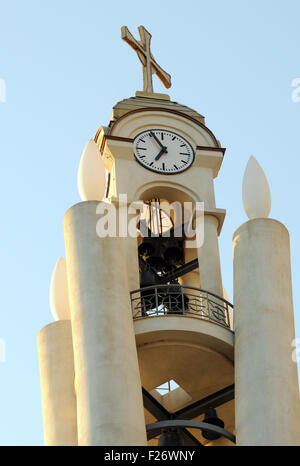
(143, 100)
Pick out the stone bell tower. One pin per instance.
(146, 354)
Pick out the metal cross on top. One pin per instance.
(150, 66)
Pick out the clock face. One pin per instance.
(163, 151)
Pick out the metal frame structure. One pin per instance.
(158, 427)
(170, 298)
(183, 418)
(174, 274)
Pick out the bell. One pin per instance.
(211, 417)
(155, 259)
(173, 253)
(147, 247)
(147, 279)
(157, 263)
(171, 438)
(150, 248)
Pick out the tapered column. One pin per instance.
(266, 385)
(209, 258)
(108, 386)
(56, 363)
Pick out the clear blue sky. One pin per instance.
(65, 66)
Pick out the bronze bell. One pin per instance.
(211, 417)
(155, 259)
(157, 263)
(147, 247)
(147, 279)
(173, 253)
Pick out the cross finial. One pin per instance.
(150, 66)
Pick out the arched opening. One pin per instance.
(168, 259)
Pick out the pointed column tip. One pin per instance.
(256, 191)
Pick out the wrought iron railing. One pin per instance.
(175, 299)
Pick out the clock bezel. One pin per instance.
(160, 171)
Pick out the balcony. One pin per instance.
(175, 299)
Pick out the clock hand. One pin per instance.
(158, 141)
(163, 151)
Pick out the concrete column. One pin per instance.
(266, 385)
(56, 363)
(209, 258)
(108, 387)
(131, 247)
(191, 278)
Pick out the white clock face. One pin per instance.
(163, 151)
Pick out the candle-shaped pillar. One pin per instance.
(56, 372)
(266, 386)
(108, 387)
(55, 350)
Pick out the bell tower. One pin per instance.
(142, 352)
(182, 320)
(150, 331)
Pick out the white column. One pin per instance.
(56, 363)
(209, 258)
(191, 278)
(108, 387)
(266, 385)
(131, 246)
